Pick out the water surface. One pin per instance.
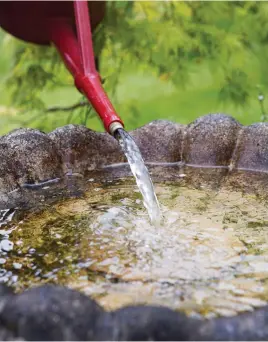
(210, 256)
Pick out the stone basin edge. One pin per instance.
(214, 148)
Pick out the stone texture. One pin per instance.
(50, 313)
(33, 154)
(210, 140)
(160, 141)
(8, 176)
(217, 152)
(212, 177)
(244, 327)
(85, 150)
(215, 149)
(146, 323)
(253, 182)
(55, 313)
(252, 148)
(249, 165)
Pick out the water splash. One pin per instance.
(141, 175)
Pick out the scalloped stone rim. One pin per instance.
(212, 142)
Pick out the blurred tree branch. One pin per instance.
(68, 108)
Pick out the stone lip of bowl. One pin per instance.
(215, 149)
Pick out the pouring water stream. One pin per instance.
(141, 175)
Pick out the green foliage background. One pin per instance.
(159, 60)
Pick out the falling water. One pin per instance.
(141, 175)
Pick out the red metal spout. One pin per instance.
(79, 58)
(42, 22)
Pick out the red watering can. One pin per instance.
(67, 25)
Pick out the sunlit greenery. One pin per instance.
(170, 59)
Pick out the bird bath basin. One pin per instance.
(71, 215)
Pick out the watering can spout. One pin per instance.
(52, 21)
(79, 58)
(114, 127)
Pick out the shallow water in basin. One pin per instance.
(210, 256)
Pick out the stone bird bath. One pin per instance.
(85, 264)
